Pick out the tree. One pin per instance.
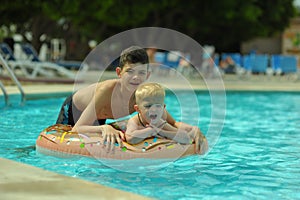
(224, 24)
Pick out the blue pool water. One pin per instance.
(257, 155)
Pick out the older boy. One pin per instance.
(89, 107)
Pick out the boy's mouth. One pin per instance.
(134, 83)
(152, 116)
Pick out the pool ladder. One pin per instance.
(14, 79)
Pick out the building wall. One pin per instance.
(291, 38)
(263, 45)
(287, 43)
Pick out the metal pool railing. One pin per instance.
(14, 79)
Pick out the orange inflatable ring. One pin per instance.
(58, 140)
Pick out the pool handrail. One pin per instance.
(6, 97)
(14, 79)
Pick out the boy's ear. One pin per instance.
(118, 71)
(148, 74)
(136, 108)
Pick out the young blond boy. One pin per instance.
(151, 120)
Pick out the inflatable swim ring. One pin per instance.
(58, 140)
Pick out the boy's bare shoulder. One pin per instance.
(107, 85)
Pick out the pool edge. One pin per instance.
(22, 181)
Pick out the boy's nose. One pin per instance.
(136, 76)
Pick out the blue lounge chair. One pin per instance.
(255, 63)
(27, 68)
(167, 61)
(31, 53)
(160, 57)
(284, 64)
(32, 69)
(172, 59)
(247, 62)
(288, 64)
(260, 64)
(275, 64)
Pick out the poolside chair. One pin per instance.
(216, 58)
(32, 69)
(32, 54)
(260, 64)
(168, 61)
(237, 59)
(172, 59)
(160, 57)
(26, 67)
(284, 64)
(255, 63)
(288, 64)
(275, 64)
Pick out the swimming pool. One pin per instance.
(256, 156)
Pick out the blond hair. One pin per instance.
(149, 90)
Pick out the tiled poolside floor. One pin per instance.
(19, 181)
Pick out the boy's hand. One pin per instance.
(158, 123)
(182, 136)
(158, 126)
(201, 143)
(110, 137)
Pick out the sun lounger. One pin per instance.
(255, 63)
(26, 67)
(284, 64)
(260, 64)
(288, 64)
(236, 57)
(32, 69)
(31, 53)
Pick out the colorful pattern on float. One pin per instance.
(59, 140)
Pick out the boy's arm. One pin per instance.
(177, 124)
(188, 134)
(134, 134)
(200, 139)
(84, 123)
(178, 135)
(89, 115)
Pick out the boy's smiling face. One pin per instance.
(133, 75)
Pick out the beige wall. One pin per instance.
(263, 45)
(287, 43)
(291, 38)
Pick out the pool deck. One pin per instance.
(20, 181)
(228, 83)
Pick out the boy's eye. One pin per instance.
(129, 71)
(142, 73)
(158, 106)
(147, 106)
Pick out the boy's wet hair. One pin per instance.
(132, 55)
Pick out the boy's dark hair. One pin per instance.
(132, 55)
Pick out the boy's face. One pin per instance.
(133, 75)
(151, 109)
